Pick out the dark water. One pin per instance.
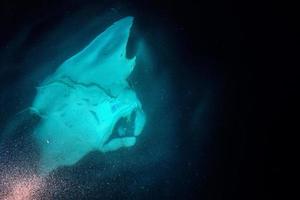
(210, 87)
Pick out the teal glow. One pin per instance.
(81, 104)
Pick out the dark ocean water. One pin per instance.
(208, 82)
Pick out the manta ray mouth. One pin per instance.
(124, 127)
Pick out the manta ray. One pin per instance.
(87, 103)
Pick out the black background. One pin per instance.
(247, 50)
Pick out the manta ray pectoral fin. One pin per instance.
(103, 61)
